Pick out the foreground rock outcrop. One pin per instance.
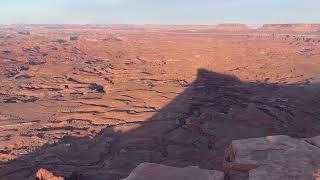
(275, 157)
(266, 158)
(43, 174)
(147, 171)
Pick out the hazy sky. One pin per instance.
(158, 11)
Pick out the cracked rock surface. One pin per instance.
(275, 157)
(146, 171)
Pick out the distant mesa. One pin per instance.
(297, 27)
(114, 39)
(232, 27)
(291, 27)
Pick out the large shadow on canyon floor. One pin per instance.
(193, 129)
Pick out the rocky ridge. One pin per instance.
(266, 158)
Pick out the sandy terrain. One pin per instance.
(113, 97)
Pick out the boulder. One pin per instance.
(275, 157)
(24, 68)
(60, 41)
(147, 171)
(97, 87)
(34, 62)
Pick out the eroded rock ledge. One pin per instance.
(146, 171)
(266, 158)
(275, 157)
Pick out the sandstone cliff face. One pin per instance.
(291, 27)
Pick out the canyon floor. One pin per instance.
(95, 102)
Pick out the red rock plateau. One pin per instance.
(94, 102)
(232, 27)
(291, 27)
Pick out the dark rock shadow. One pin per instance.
(194, 129)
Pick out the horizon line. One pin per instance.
(168, 24)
